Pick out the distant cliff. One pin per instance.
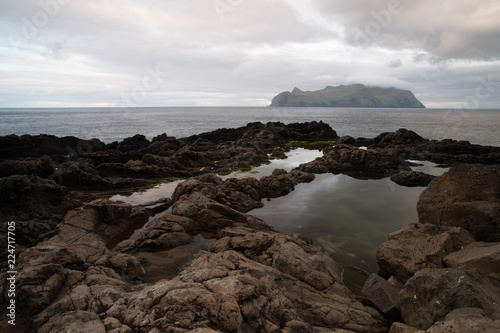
(356, 95)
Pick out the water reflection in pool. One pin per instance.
(348, 217)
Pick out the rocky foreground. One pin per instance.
(438, 274)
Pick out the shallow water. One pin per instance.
(349, 218)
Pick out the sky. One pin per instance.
(124, 53)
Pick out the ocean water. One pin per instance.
(115, 124)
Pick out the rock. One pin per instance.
(431, 294)
(466, 324)
(383, 294)
(42, 167)
(467, 196)
(419, 246)
(32, 146)
(485, 257)
(346, 158)
(230, 292)
(402, 328)
(412, 178)
(74, 321)
(468, 313)
(346, 140)
(28, 197)
(402, 137)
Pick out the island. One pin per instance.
(355, 95)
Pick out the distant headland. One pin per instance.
(355, 95)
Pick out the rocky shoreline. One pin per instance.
(441, 272)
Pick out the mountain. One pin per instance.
(355, 95)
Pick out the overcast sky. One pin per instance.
(69, 53)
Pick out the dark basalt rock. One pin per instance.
(412, 178)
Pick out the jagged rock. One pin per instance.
(229, 291)
(483, 256)
(419, 246)
(431, 294)
(467, 196)
(75, 321)
(291, 254)
(42, 167)
(383, 294)
(412, 178)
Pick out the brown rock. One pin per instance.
(419, 246)
(412, 178)
(431, 294)
(383, 294)
(485, 257)
(467, 196)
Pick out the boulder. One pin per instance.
(466, 196)
(419, 246)
(433, 293)
(483, 256)
(412, 178)
(383, 294)
(346, 158)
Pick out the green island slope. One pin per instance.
(355, 95)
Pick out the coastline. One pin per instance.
(250, 267)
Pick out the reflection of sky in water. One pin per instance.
(160, 191)
(295, 158)
(349, 218)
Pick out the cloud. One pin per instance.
(243, 53)
(446, 29)
(394, 63)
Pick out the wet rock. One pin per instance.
(431, 294)
(412, 178)
(483, 256)
(383, 294)
(467, 196)
(419, 246)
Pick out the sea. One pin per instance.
(115, 124)
(348, 217)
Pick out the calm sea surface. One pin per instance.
(114, 124)
(348, 217)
